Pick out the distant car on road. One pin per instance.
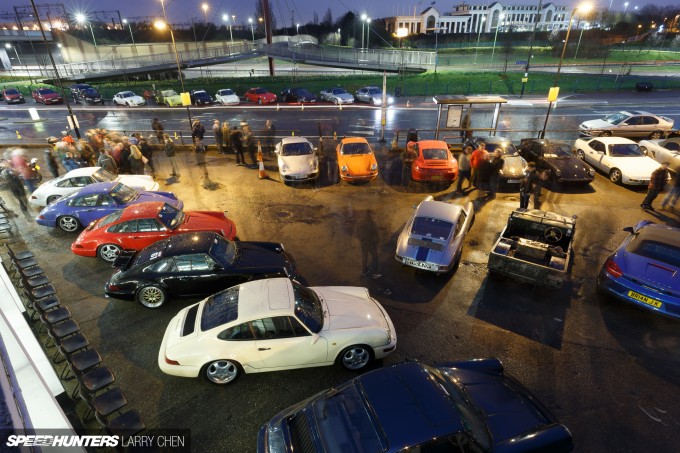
(620, 158)
(47, 96)
(128, 98)
(564, 166)
(301, 95)
(297, 160)
(12, 96)
(372, 95)
(169, 98)
(77, 88)
(260, 96)
(337, 95)
(663, 151)
(227, 97)
(201, 97)
(90, 96)
(356, 160)
(632, 123)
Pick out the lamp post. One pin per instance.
(584, 8)
(495, 36)
(297, 29)
(625, 7)
(339, 38)
(368, 32)
(81, 19)
(525, 79)
(205, 7)
(125, 21)
(479, 35)
(578, 44)
(225, 18)
(363, 21)
(10, 46)
(252, 30)
(401, 34)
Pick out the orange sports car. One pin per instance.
(356, 160)
(434, 163)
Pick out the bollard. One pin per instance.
(278, 107)
(18, 135)
(302, 107)
(335, 135)
(340, 105)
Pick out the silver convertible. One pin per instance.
(433, 237)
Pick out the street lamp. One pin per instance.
(498, 25)
(205, 7)
(479, 35)
(579, 40)
(125, 21)
(368, 32)
(225, 18)
(363, 21)
(625, 7)
(252, 30)
(297, 29)
(401, 34)
(81, 19)
(10, 46)
(584, 8)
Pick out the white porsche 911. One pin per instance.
(619, 158)
(276, 324)
(297, 160)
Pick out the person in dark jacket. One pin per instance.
(107, 162)
(408, 155)
(158, 128)
(197, 130)
(51, 162)
(124, 164)
(147, 152)
(528, 185)
(496, 162)
(170, 154)
(16, 186)
(483, 175)
(236, 144)
(657, 182)
(673, 194)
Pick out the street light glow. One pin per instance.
(204, 6)
(159, 24)
(402, 32)
(364, 16)
(80, 18)
(8, 45)
(125, 21)
(225, 17)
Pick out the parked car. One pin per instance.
(300, 95)
(276, 324)
(138, 226)
(620, 158)
(90, 96)
(356, 160)
(433, 237)
(77, 88)
(558, 157)
(47, 96)
(128, 98)
(434, 163)
(645, 269)
(227, 97)
(201, 97)
(194, 264)
(337, 95)
(297, 159)
(663, 151)
(169, 98)
(628, 124)
(513, 164)
(95, 201)
(467, 406)
(76, 179)
(260, 95)
(372, 95)
(13, 96)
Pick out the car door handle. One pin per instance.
(263, 349)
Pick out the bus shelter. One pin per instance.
(455, 115)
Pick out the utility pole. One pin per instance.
(525, 79)
(268, 32)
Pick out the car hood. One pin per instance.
(422, 248)
(207, 221)
(139, 182)
(635, 167)
(13, 96)
(299, 163)
(597, 124)
(569, 166)
(351, 307)
(175, 97)
(343, 96)
(253, 255)
(652, 273)
(514, 166)
(358, 163)
(165, 197)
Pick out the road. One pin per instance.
(608, 371)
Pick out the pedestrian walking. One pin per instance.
(170, 154)
(20, 165)
(158, 128)
(673, 194)
(657, 182)
(496, 161)
(197, 130)
(248, 142)
(543, 181)
(107, 162)
(124, 163)
(217, 133)
(528, 185)
(147, 152)
(15, 185)
(476, 158)
(51, 161)
(408, 155)
(136, 161)
(226, 137)
(269, 136)
(484, 171)
(464, 168)
(237, 145)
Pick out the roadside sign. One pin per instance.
(186, 99)
(552, 94)
(521, 62)
(525, 79)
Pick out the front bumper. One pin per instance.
(634, 181)
(14, 101)
(122, 295)
(423, 265)
(299, 177)
(625, 289)
(358, 178)
(52, 101)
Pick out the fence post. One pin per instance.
(597, 85)
(533, 82)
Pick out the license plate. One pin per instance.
(436, 178)
(644, 299)
(420, 264)
(511, 181)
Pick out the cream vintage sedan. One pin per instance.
(276, 324)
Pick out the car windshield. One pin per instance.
(127, 94)
(616, 118)
(200, 93)
(338, 91)
(46, 91)
(506, 148)
(223, 250)
(434, 153)
(170, 217)
(102, 175)
(308, 307)
(114, 216)
(226, 92)
(90, 92)
(374, 91)
(625, 150)
(471, 417)
(297, 149)
(557, 150)
(123, 194)
(655, 250)
(344, 422)
(11, 91)
(220, 308)
(259, 91)
(355, 148)
(169, 93)
(432, 228)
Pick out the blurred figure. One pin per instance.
(147, 152)
(14, 183)
(496, 162)
(107, 162)
(673, 194)
(408, 155)
(226, 137)
(20, 165)
(51, 162)
(476, 158)
(197, 130)
(657, 183)
(485, 169)
(269, 136)
(170, 154)
(248, 142)
(237, 145)
(464, 168)
(368, 239)
(69, 162)
(136, 161)
(528, 185)
(217, 133)
(158, 128)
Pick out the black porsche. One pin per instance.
(564, 166)
(194, 265)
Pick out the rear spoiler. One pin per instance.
(124, 258)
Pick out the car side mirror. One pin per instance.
(629, 230)
(217, 267)
(624, 124)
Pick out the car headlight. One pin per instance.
(416, 167)
(314, 165)
(275, 442)
(284, 167)
(344, 168)
(558, 172)
(443, 268)
(390, 100)
(500, 171)
(374, 167)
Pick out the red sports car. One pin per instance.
(434, 163)
(260, 95)
(135, 227)
(47, 96)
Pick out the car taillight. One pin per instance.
(41, 217)
(77, 246)
(111, 287)
(171, 362)
(613, 268)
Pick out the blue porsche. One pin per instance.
(470, 406)
(645, 269)
(94, 201)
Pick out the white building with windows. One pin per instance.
(466, 18)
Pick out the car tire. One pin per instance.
(356, 357)
(336, 101)
(656, 135)
(68, 224)
(222, 372)
(580, 154)
(615, 176)
(52, 198)
(606, 134)
(151, 296)
(108, 252)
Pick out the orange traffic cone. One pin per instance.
(262, 174)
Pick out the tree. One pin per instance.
(327, 19)
(259, 12)
(315, 20)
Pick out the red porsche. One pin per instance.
(434, 163)
(260, 95)
(135, 227)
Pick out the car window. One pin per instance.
(435, 154)
(170, 216)
(339, 91)
(240, 332)
(432, 228)
(460, 223)
(147, 225)
(81, 181)
(124, 227)
(226, 92)
(308, 307)
(273, 328)
(86, 200)
(557, 150)
(164, 265)
(506, 148)
(355, 148)
(64, 183)
(616, 118)
(224, 250)
(113, 217)
(102, 175)
(220, 308)
(123, 194)
(597, 146)
(105, 200)
(650, 120)
(12, 91)
(655, 250)
(297, 149)
(672, 146)
(625, 150)
(194, 262)
(634, 121)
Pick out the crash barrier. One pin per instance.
(28, 300)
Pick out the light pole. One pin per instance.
(584, 8)
(339, 38)
(125, 21)
(368, 32)
(525, 79)
(625, 7)
(297, 29)
(81, 19)
(225, 18)
(10, 46)
(162, 25)
(579, 40)
(401, 34)
(495, 36)
(479, 35)
(205, 7)
(252, 30)
(363, 21)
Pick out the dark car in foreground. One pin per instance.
(564, 166)
(194, 265)
(201, 97)
(12, 96)
(470, 406)
(47, 96)
(301, 95)
(645, 269)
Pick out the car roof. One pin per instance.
(438, 210)
(296, 139)
(265, 298)
(353, 140)
(615, 140)
(98, 187)
(199, 241)
(139, 210)
(432, 144)
(84, 171)
(660, 233)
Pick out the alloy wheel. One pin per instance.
(222, 372)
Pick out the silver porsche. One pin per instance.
(432, 239)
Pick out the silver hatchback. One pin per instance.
(628, 124)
